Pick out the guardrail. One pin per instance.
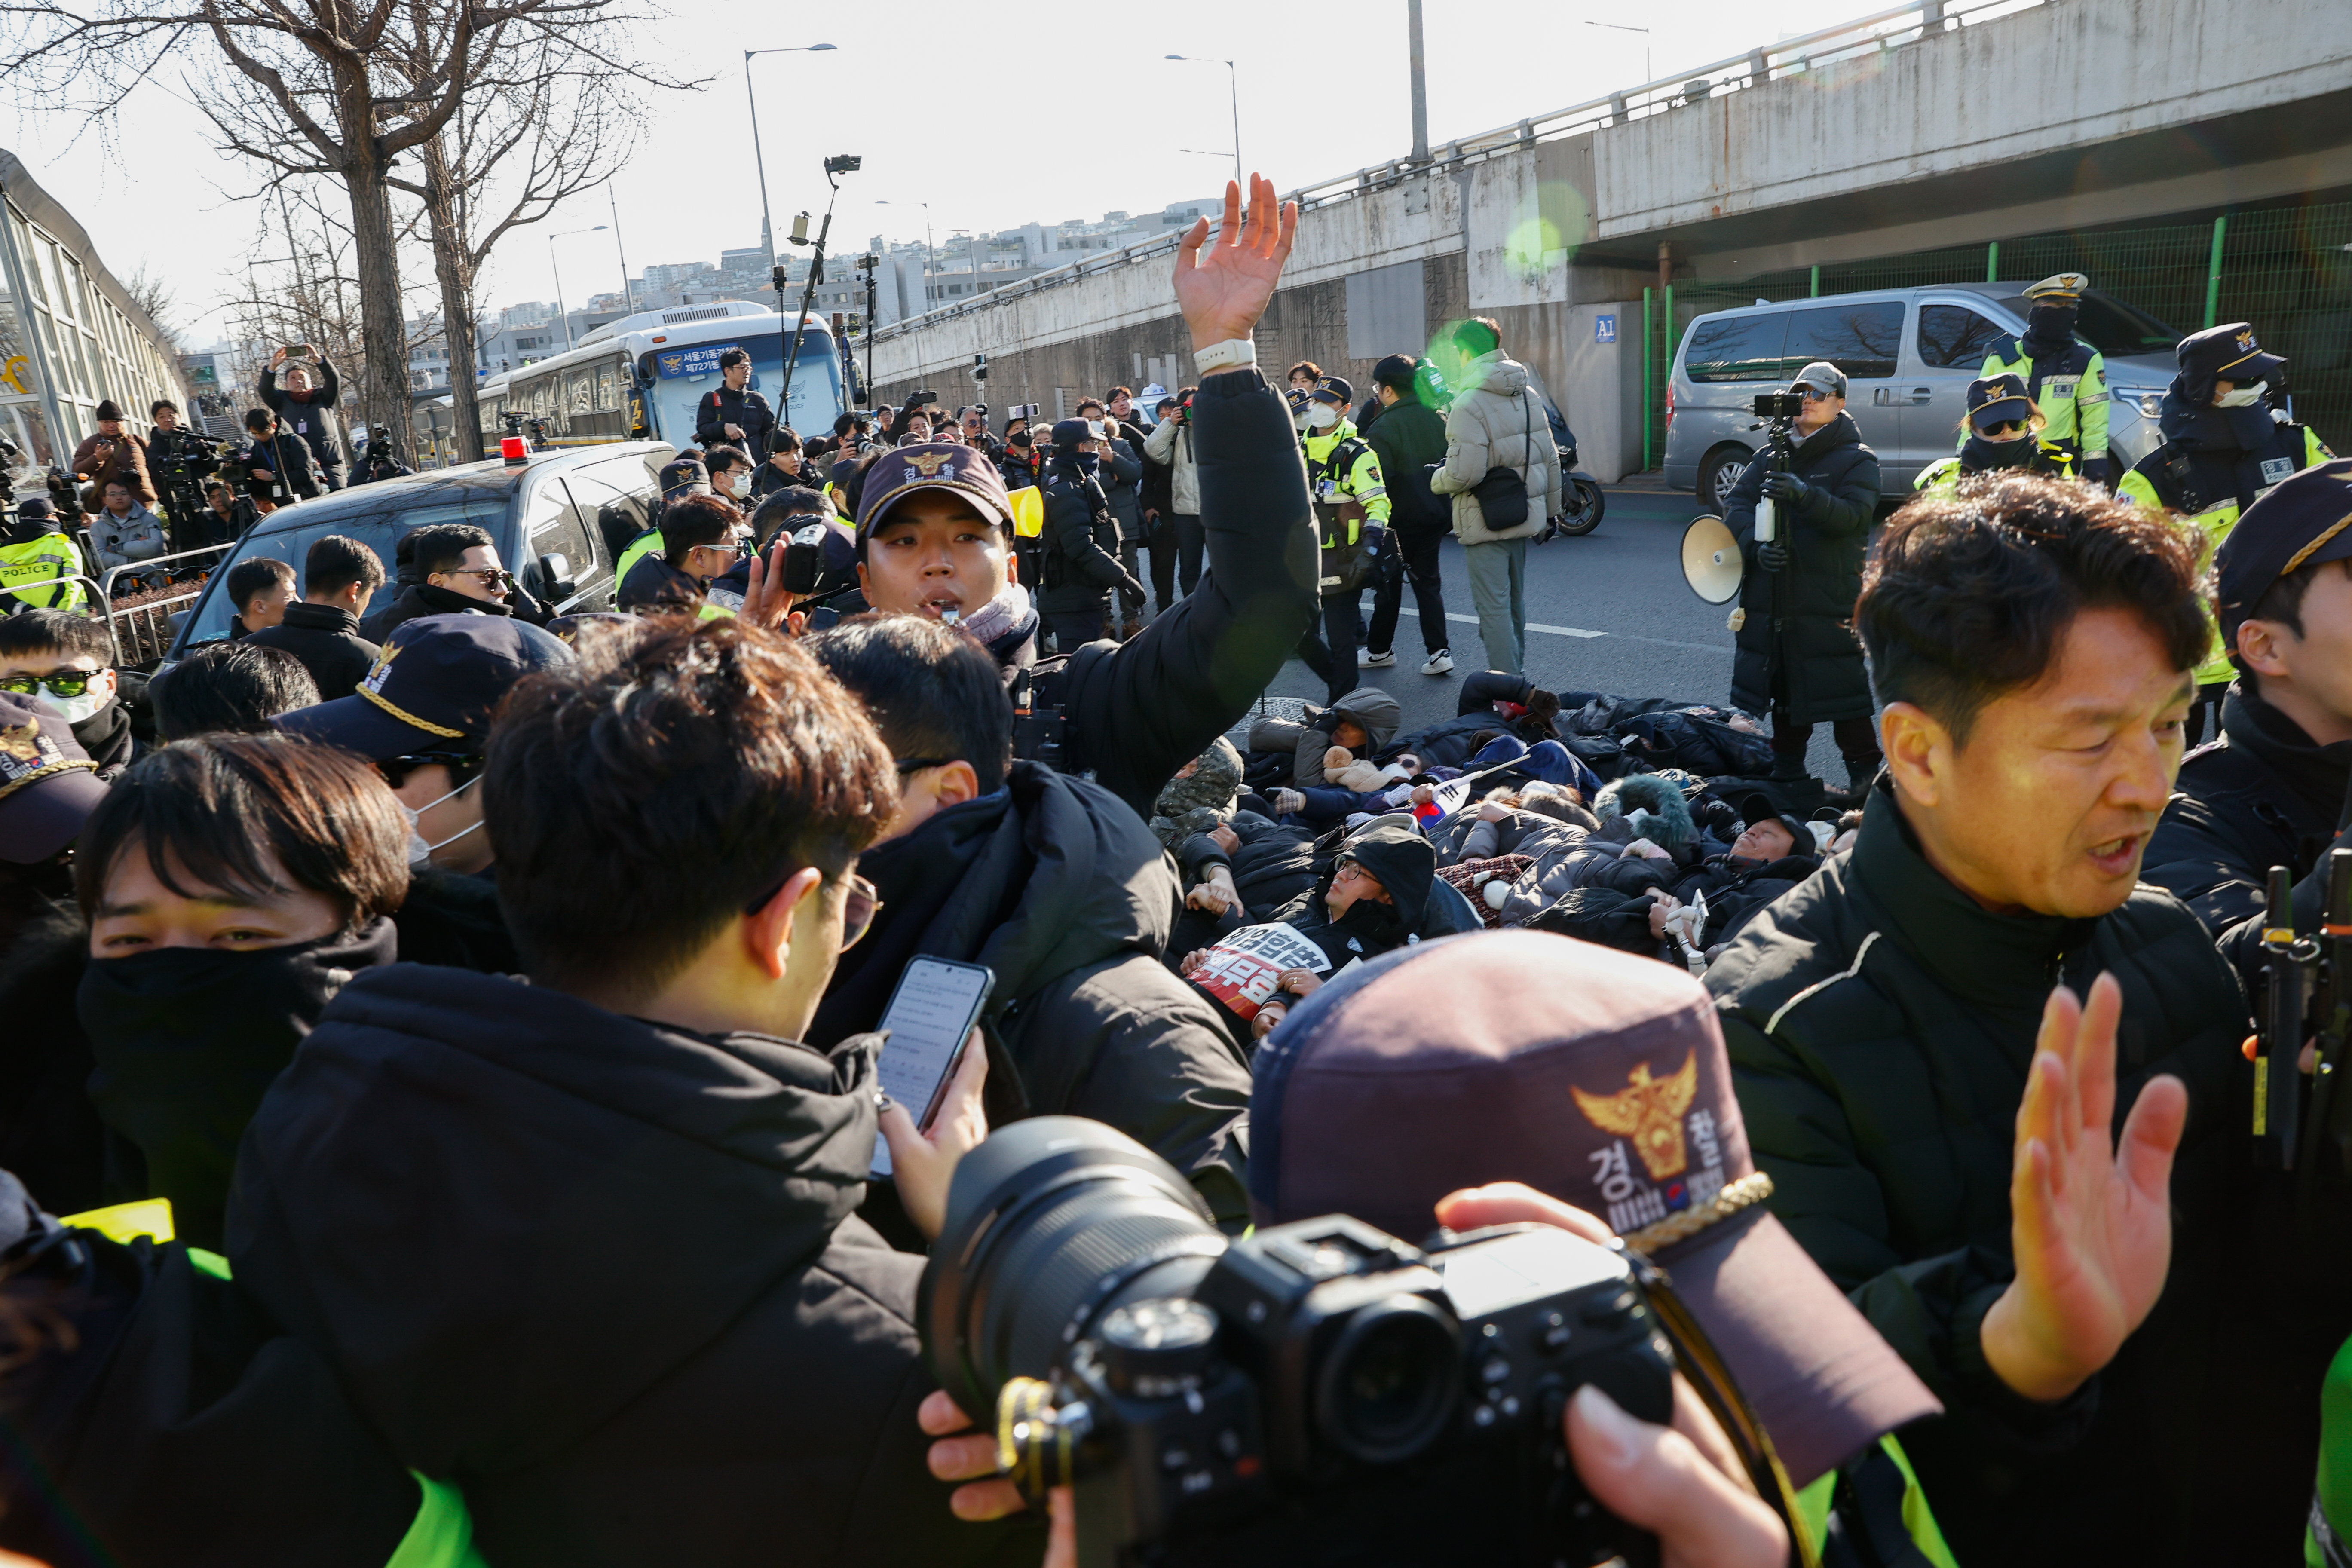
(1880, 32)
(143, 631)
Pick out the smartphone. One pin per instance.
(930, 1017)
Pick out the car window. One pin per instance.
(1736, 348)
(2116, 330)
(553, 527)
(1953, 337)
(1860, 339)
(379, 530)
(614, 500)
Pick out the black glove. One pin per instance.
(1133, 590)
(1772, 556)
(1786, 490)
(2099, 471)
(1374, 536)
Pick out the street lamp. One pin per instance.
(1649, 72)
(559, 276)
(628, 288)
(1234, 83)
(929, 261)
(767, 228)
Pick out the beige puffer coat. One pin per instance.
(1497, 421)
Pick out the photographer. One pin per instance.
(180, 460)
(112, 454)
(1171, 446)
(637, 1256)
(1053, 885)
(1132, 714)
(307, 410)
(1798, 659)
(1888, 1020)
(279, 467)
(730, 413)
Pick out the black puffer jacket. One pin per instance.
(420, 599)
(2261, 795)
(1068, 897)
(1881, 1023)
(602, 1273)
(326, 638)
(1827, 531)
(1136, 711)
(1081, 541)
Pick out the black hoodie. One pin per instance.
(604, 1275)
(1067, 898)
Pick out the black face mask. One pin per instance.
(2049, 327)
(1979, 454)
(188, 1040)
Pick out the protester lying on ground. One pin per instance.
(1053, 885)
(936, 527)
(693, 1305)
(65, 662)
(1697, 912)
(1199, 797)
(2033, 645)
(236, 687)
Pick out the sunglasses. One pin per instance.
(1812, 393)
(858, 906)
(69, 683)
(491, 576)
(2002, 427)
(396, 770)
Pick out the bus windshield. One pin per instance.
(681, 378)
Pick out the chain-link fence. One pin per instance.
(2287, 270)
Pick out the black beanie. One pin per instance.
(107, 410)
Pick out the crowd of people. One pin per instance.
(439, 1110)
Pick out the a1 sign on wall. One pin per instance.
(1604, 329)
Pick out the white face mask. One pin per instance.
(419, 852)
(736, 482)
(1322, 416)
(2242, 396)
(74, 710)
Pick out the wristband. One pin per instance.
(1232, 354)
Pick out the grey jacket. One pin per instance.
(1170, 442)
(1497, 421)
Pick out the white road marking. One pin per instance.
(1533, 626)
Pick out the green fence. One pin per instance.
(2287, 270)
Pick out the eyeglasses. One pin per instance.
(64, 683)
(395, 770)
(859, 905)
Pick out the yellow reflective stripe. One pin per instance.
(1918, 1517)
(211, 1263)
(149, 1218)
(442, 1533)
(1813, 1506)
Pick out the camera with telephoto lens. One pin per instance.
(1779, 405)
(804, 559)
(1319, 1392)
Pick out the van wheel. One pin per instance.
(1718, 471)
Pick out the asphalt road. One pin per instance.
(1609, 612)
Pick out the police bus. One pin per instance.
(643, 375)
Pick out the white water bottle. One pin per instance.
(1767, 523)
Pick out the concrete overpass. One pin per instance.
(1938, 123)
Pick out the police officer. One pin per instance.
(1351, 521)
(732, 413)
(179, 459)
(35, 558)
(2226, 438)
(2065, 375)
(2003, 432)
(1081, 557)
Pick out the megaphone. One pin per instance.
(1711, 563)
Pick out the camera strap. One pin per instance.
(1699, 1360)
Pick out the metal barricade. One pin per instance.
(143, 626)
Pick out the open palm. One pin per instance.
(2090, 1216)
(1222, 288)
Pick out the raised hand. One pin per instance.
(2090, 1222)
(1222, 288)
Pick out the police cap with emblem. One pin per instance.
(2226, 352)
(431, 687)
(49, 786)
(1997, 399)
(947, 466)
(1424, 1072)
(1332, 389)
(2058, 289)
(2301, 521)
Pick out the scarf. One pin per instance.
(1008, 612)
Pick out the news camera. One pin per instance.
(1319, 1392)
(843, 163)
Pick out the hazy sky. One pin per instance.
(995, 115)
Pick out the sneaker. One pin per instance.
(1439, 663)
(1380, 661)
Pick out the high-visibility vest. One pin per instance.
(46, 560)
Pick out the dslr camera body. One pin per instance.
(1319, 1392)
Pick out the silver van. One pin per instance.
(1908, 355)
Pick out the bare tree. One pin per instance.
(153, 294)
(306, 91)
(545, 130)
